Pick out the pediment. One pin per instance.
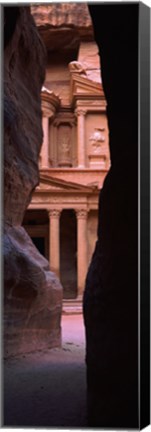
(53, 184)
(82, 86)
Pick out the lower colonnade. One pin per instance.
(82, 247)
(67, 242)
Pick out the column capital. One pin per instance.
(45, 114)
(81, 213)
(54, 213)
(80, 112)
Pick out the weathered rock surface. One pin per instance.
(32, 294)
(67, 32)
(24, 54)
(111, 293)
(63, 25)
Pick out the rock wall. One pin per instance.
(63, 25)
(111, 292)
(32, 294)
(67, 32)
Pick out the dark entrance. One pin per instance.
(36, 223)
(68, 254)
(39, 242)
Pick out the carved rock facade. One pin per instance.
(32, 294)
(74, 158)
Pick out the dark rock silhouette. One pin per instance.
(110, 297)
(32, 294)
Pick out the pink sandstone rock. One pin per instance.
(63, 25)
(32, 294)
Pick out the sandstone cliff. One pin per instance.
(32, 294)
(63, 25)
(67, 32)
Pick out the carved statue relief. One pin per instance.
(63, 139)
(97, 150)
(96, 140)
(77, 67)
(64, 146)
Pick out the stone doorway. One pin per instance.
(68, 253)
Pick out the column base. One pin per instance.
(79, 298)
(97, 161)
(81, 166)
(46, 167)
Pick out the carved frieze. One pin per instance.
(91, 104)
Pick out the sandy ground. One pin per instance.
(48, 388)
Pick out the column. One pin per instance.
(54, 241)
(82, 258)
(45, 144)
(81, 137)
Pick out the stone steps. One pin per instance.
(70, 307)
